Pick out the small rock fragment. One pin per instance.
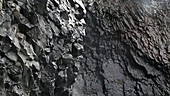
(11, 55)
(78, 46)
(36, 65)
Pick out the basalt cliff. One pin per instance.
(84, 48)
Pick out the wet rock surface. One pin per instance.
(84, 48)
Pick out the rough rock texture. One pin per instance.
(126, 49)
(84, 48)
(40, 46)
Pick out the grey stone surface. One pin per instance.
(35, 38)
(126, 49)
(84, 48)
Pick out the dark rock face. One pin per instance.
(40, 46)
(45, 51)
(126, 47)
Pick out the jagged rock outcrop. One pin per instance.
(41, 46)
(84, 48)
